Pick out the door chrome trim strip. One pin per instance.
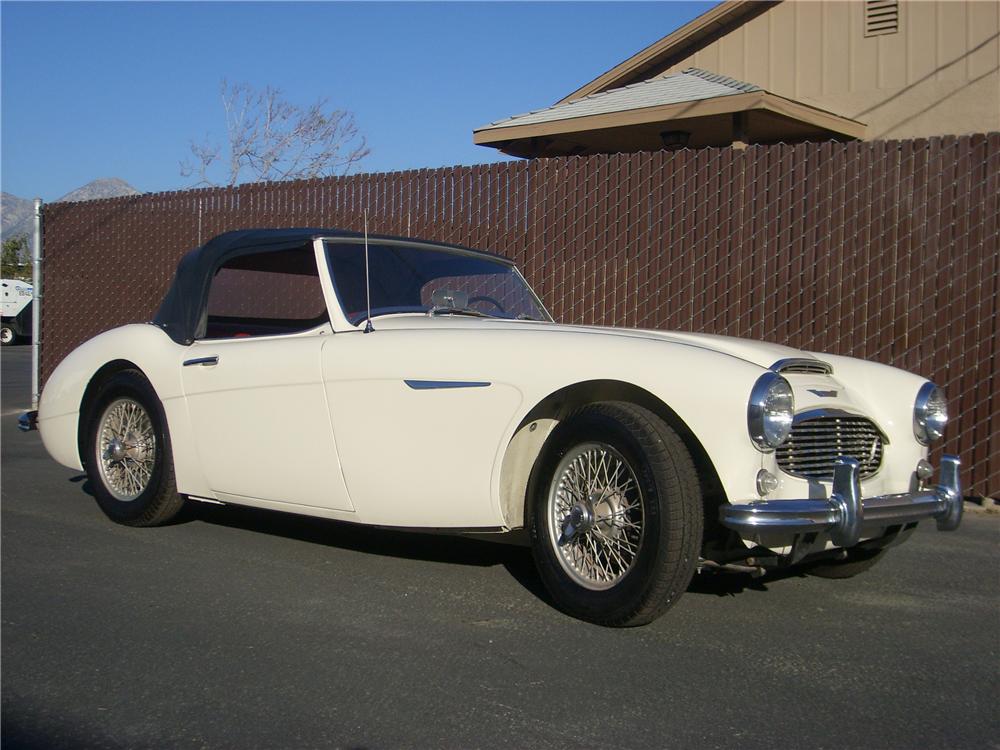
(427, 385)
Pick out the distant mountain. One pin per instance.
(18, 213)
(106, 187)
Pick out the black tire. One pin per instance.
(665, 552)
(7, 335)
(158, 501)
(856, 562)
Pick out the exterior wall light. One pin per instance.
(675, 139)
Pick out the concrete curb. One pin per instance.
(982, 506)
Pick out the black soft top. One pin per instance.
(182, 312)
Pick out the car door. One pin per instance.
(419, 424)
(254, 389)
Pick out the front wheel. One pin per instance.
(617, 519)
(7, 336)
(127, 454)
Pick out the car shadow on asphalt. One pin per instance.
(427, 546)
(731, 584)
(26, 726)
(438, 547)
(411, 545)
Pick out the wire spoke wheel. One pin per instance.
(596, 518)
(128, 458)
(126, 449)
(616, 515)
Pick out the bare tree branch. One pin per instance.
(204, 156)
(270, 138)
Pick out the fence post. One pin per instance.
(36, 303)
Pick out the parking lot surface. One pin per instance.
(237, 628)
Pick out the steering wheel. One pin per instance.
(484, 298)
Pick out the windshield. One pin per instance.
(407, 278)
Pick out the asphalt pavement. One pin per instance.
(237, 628)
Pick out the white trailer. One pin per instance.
(15, 310)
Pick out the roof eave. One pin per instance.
(724, 15)
(497, 136)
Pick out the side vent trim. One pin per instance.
(431, 385)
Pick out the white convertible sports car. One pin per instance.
(410, 384)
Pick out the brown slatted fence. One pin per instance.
(884, 250)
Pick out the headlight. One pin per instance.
(930, 414)
(770, 411)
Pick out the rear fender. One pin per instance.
(73, 383)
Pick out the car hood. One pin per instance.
(760, 353)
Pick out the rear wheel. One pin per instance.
(7, 335)
(128, 456)
(617, 519)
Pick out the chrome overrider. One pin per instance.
(846, 516)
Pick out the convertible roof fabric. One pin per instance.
(182, 312)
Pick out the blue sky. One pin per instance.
(120, 89)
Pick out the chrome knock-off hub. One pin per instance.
(115, 450)
(608, 512)
(579, 521)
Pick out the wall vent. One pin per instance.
(881, 17)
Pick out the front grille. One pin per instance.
(816, 442)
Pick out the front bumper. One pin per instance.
(848, 518)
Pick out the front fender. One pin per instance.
(707, 391)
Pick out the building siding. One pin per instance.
(937, 75)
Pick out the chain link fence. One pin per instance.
(885, 250)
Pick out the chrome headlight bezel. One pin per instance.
(930, 414)
(770, 411)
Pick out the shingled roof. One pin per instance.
(695, 108)
(675, 46)
(692, 84)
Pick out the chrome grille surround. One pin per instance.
(819, 438)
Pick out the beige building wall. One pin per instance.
(939, 74)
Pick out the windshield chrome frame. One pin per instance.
(339, 318)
